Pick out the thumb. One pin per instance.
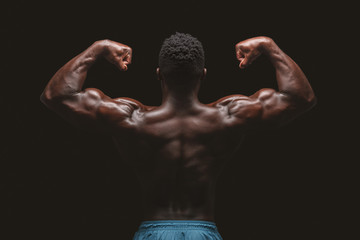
(244, 63)
(249, 58)
(122, 65)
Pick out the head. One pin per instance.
(181, 60)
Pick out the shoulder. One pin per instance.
(238, 109)
(237, 102)
(224, 101)
(123, 112)
(120, 107)
(132, 103)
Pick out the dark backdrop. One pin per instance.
(57, 182)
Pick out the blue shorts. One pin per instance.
(177, 230)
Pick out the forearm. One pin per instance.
(290, 78)
(70, 79)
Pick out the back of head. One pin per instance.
(181, 57)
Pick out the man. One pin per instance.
(178, 148)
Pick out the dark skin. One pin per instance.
(178, 148)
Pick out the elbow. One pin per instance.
(311, 100)
(47, 99)
(44, 98)
(53, 100)
(303, 104)
(308, 102)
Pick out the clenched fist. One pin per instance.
(248, 50)
(117, 54)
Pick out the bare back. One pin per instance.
(179, 148)
(177, 158)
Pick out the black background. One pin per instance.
(296, 182)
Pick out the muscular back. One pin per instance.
(177, 157)
(179, 148)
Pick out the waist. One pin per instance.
(177, 225)
(179, 211)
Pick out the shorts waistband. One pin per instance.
(177, 224)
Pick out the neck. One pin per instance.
(180, 97)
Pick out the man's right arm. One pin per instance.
(268, 106)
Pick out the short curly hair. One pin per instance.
(181, 54)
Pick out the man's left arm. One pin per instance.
(90, 109)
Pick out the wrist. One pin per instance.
(100, 47)
(266, 44)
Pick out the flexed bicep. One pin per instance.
(266, 108)
(275, 108)
(89, 109)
